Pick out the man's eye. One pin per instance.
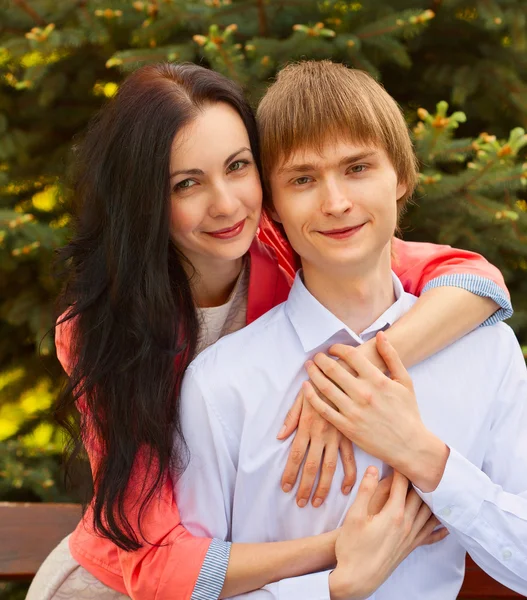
(358, 168)
(238, 165)
(302, 180)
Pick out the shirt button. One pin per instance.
(506, 554)
(445, 512)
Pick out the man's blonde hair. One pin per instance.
(312, 102)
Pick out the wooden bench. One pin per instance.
(28, 533)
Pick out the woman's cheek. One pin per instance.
(185, 216)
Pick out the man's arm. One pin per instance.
(205, 492)
(487, 509)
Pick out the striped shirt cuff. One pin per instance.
(212, 575)
(481, 286)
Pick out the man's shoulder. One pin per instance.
(248, 343)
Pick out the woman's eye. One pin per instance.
(238, 165)
(185, 184)
(302, 180)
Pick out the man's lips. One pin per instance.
(342, 233)
(228, 232)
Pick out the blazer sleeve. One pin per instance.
(174, 564)
(422, 266)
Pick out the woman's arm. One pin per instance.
(173, 563)
(458, 291)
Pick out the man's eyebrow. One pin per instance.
(302, 168)
(200, 172)
(357, 157)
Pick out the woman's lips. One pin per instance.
(341, 234)
(229, 232)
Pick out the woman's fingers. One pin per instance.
(388, 353)
(323, 409)
(367, 487)
(327, 376)
(356, 361)
(347, 456)
(292, 418)
(294, 460)
(327, 470)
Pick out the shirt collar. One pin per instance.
(315, 324)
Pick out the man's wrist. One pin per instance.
(427, 461)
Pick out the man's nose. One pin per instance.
(335, 201)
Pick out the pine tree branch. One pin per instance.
(29, 10)
(262, 19)
(480, 173)
(228, 64)
(475, 203)
(364, 36)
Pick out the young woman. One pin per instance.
(162, 263)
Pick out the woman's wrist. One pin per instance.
(343, 585)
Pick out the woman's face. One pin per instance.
(216, 195)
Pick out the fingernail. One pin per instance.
(308, 364)
(317, 502)
(281, 432)
(371, 472)
(287, 487)
(302, 502)
(346, 490)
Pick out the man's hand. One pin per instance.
(375, 412)
(318, 443)
(370, 547)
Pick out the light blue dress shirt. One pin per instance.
(473, 395)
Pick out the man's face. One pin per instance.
(338, 207)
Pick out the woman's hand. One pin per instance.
(370, 547)
(377, 413)
(319, 443)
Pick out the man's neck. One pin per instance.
(359, 298)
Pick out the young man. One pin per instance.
(339, 167)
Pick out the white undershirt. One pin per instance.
(217, 321)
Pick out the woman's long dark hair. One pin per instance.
(128, 300)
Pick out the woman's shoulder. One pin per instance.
(64, 332)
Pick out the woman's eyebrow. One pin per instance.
(200, 172)
(234, 154)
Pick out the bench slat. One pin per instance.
(478, 584)
(28, 533)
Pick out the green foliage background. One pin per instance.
(60, 61)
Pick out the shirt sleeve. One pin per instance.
(174, 563)
(486, 509)
(422, 266)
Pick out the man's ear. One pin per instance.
(402, 188)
